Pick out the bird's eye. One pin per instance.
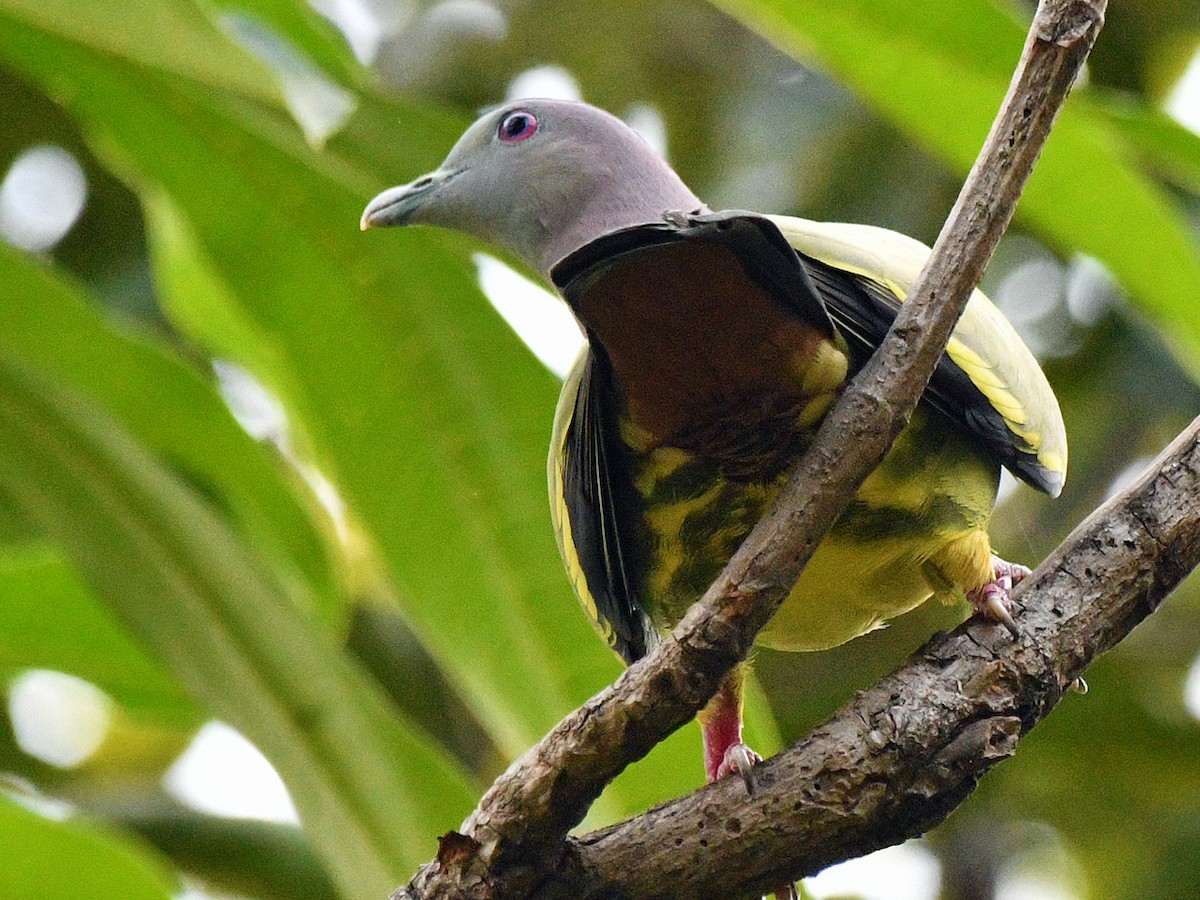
(517, 126)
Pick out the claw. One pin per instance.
(991, 600)
(741, 759)
(996, 608)
(1079, 686)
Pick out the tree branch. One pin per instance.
(516, 834)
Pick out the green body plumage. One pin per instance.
(913, 530)
(917, 527)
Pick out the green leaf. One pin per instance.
(423, 407)
(306, 30)
(50, 620)
(371, 791)
(45, 318)
(47, 859)
(235, 857)
(1168, 147)
(942, 86)
(171, 37)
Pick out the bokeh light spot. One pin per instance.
(58, 718)
(1183, 102)
(223, 774)
(547, 82)
(539, 318)
(41, 197)
(905, 872)
(1191, 690)
(647, 121)
(317, 103)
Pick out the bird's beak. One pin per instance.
(396, 206)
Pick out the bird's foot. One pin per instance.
(740, 759)
(786, 892)
(992, 601)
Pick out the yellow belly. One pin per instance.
(850, 588)
(916, 528)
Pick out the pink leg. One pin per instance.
(991, 600)
(724, 750)
(721, 725)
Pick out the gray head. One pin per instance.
(540, 178)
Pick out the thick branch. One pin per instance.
(521, 821)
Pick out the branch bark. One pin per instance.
(515, 838)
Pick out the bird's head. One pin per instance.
(540, 178)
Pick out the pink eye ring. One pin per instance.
(517, 126)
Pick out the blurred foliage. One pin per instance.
(392, 650)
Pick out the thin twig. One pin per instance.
(519, 826)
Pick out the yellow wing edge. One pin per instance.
(559, 515)
(984, 344)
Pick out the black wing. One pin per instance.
(597, 499)
(863, 311)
